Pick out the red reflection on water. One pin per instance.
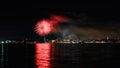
(42, 55)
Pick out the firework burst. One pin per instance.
(47, 26)
(43, 27)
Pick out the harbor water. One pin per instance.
(45, 55)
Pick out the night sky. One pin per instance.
(18, 21)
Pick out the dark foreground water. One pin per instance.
(61, 55)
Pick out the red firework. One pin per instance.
(43, 27)
(47, 26)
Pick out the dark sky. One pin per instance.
(18, 21)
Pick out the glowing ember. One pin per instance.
(42, 55)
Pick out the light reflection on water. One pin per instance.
(42, 55)
(62, 55)
(76, 56)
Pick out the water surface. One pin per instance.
(61, 55)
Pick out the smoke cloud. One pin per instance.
(84, 27)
